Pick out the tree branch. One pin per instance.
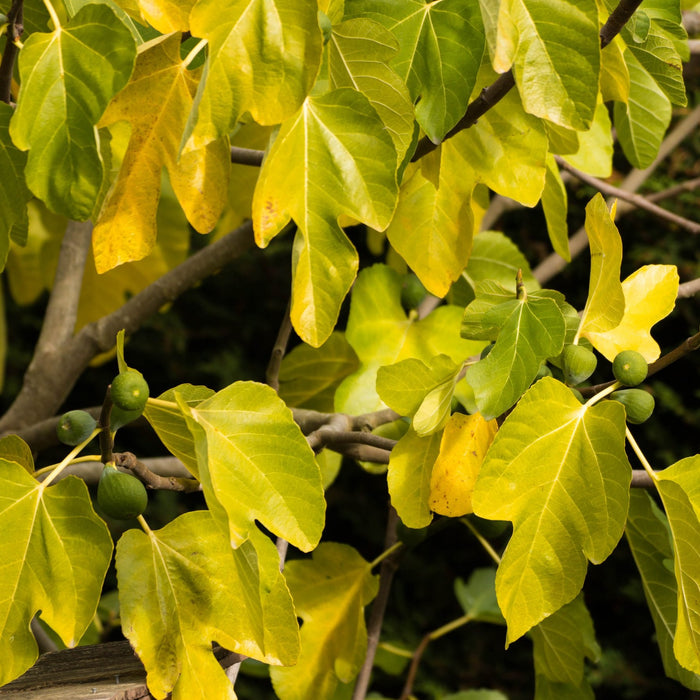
(247, 156)
(48, 382)
(495, 92)
(376, 618)
(128, 460)
(635, 199)
(16, 26)
(553, 263)
(272, 375)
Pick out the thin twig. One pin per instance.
(376, 617)
(687, 186)
(327, 437)
(47, 383)
(129, 461)
(272, 375)
(15, 18)
(637, 200)
(689, 289)
(617, 20)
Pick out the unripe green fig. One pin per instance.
(121, 495)
(578, 363)
(129, 391)
(630, 368)
(118, 417)
(74, 427)
(639, 404)
(543, 371)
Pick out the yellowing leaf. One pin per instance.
(595, 150)
(410, 466)
(559, 472)
(156, 102)
(167, 15)
(433, 226)
(330, 592)
(67, 79)
(54, 555)
(181, 588)
(462, 450)
(650, 295)
(605, 305)
(337, 139)
(255, 464)
(264, 56)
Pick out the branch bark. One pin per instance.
(16, 26)
(52, 374)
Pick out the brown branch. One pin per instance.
(47, 383)
(272, 375)
(635, 199)
(376, 617)
(247, 156)
(689, 289)
(15, 19)
(687, 186)
(329, 437)
(129, 461)
(495, 92)
(553, 263)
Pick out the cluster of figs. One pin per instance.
(120, 495)
(629, 369)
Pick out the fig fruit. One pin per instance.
(118, 417)
(639, 404)
(129, 391)
(121, 495)
(630, 368)
(74, 427)
(578, 363)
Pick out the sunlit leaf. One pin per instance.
(14, 449)
(330, 593)
(255, 464)
(595, 150)
(53, 558)
(339, 140)
(464, 443)
(64, 168)
(553, 48)
(555, 206)
(642, 121)
(679, 487)
(433, 225)
(559, 472)
(167, 15)
(309, 376)
(381, 334)
(182, 587)
(650, 295)
(263, 58)
(358, 57)
(531, 330)
(440, 48)
(648, 535)
(155, 103)
(605, 305)
(410, 466)
(170, 423)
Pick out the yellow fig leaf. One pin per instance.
(167, 15)
(605, 305)
(462, 450)
(433, 226)
(330, 592)
(650, 295)
(156, 102)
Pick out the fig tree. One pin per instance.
(630, 368)
(129, 391)
(578, 363)
(74, 427)
(639, 404)
(121, 495)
